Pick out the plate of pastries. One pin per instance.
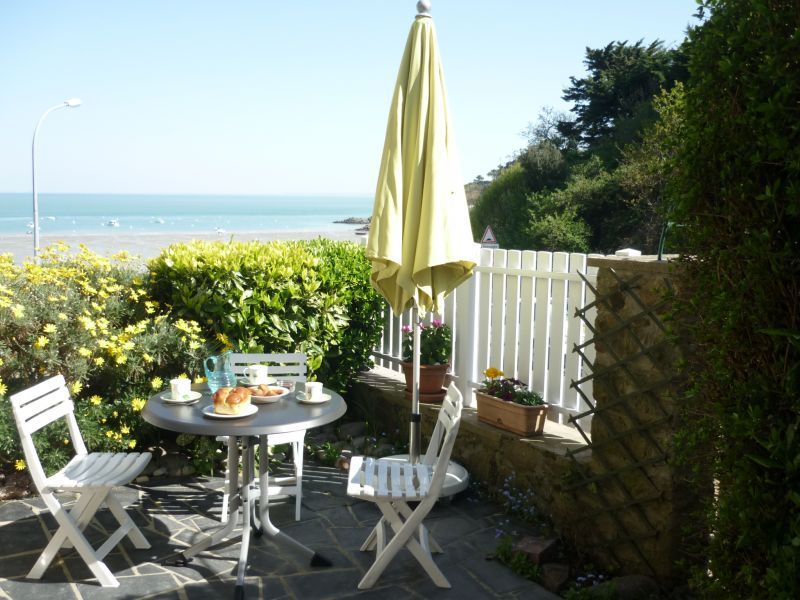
(230, 403)
(266, 394)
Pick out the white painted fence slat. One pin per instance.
(482, 334)
(511, 325)
(527, 299)
(557, 316)
(538, 382)
(497, 310)
(575, 301)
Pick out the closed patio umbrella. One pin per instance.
(420, 240)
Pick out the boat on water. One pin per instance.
(159, 220)
(112, 223)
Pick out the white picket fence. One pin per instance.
(517, 314)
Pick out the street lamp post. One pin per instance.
(71, 103)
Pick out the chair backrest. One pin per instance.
(282, 366)
(444, 437)
(37, 407)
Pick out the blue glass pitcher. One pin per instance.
(219, 372)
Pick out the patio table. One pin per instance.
(285, 415)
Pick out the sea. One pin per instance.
(98, 214)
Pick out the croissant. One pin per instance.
(229, 401)
(265, 390)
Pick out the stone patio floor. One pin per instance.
(173, 512)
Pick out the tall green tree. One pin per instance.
(612, 103)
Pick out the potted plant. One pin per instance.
(435, 350)
(509, 404)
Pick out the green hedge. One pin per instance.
(739, 204)
(308, 296)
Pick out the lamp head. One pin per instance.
(72, 102)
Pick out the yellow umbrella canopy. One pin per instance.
(420, 240)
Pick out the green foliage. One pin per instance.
(647, 169)
(435, 343)
(89, 319)
(516, 561)
(738, 198)
(503, 205)
(311, 297)
(613, 102)
(511, 390)
(346, 270)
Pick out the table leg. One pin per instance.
(234, 502)
(315, 560)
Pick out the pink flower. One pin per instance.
(406, 328)
(436, 323)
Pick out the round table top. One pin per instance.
(287, 414)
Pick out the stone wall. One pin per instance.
(620, 499)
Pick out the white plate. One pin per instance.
(191, 398)
(269, 399)
(248, 410)
(303, 399)
(246, 382)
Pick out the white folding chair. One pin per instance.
(91, 476)
(291, 367)
(391, 484)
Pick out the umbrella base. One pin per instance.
(429, 397)
(457, 478)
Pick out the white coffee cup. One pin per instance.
(180, 388)
(257, 374)
(314, 390)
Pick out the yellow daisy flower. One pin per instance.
(85, 352)
(99, 361)
(132, 444)
(95, 400)
(20, 465)
(76, 387)
(62, 316)
(138, 404)
(157, 383)
(50, 328)
(41, 342)
(491, 373)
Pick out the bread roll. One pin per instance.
(264, 390)
(229, 401)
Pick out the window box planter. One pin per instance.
(516, 418)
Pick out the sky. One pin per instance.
(266, 97)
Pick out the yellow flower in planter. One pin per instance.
(492, 373)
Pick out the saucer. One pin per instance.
(270, 399)
(248, 410)
(303, 399)
(246, 382)
(190, 398)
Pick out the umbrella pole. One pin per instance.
(415, 437)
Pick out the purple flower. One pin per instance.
(436, 323)
(406, 328)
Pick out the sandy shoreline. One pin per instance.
(148, 245)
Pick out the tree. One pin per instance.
(613, 102)
(648, 168)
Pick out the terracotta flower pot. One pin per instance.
(516, 418)
(431, 381)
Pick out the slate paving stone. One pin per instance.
(171, 512)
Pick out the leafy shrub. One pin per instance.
(89, 319)
(311, 297)
(739, 203)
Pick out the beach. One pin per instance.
(148, 245)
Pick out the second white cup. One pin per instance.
(257, 374)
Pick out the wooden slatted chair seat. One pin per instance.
(391, 484)
(92, 476)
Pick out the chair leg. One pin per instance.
(426, 540)
(69, 529)
(403, 537)
(134, 534)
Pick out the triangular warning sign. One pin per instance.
(488, 236)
